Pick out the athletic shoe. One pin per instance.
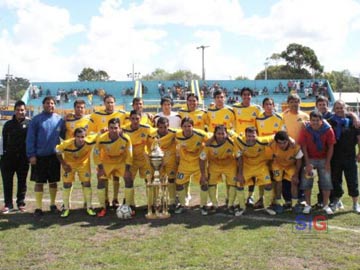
(187, 200)
(336, 205)
(65, 213)
(7, 210)
(328, 210)
(38, 212)
(279, 209)
(250, 202)
(270, 211)
(90, 212)
(115, 204)
(54, 209)
(307, 209)
(102, 212)
(297, 209)
(179, 210)
(22, 208)
(204, 211)
(340, 205)
(239, 212)
(231, 210)
(259, 204)
(287, 206)
(356, 208)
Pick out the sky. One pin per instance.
(49, 40)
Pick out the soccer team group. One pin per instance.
(246, 147)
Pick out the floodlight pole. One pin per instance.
(8, 77)
(202, 47)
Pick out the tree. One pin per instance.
(162, 75)
(17, 86)
(241, 78)
(343, 81)
(89, 74)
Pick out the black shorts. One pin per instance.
(46, 170)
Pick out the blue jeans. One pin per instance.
(324, 176)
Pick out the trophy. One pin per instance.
(157, 186)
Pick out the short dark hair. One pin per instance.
(113, 121)
(293, 97)
(136, 99)
(268, 99)
(244, 89)
(166, 99)
(281, 136)
(316, 114)
(79, 130)
(135, 112)
(250, 130)
(187, 119)
(19, 103)
(192, 95)
(218, 92)
(79, 101)
(48, 98)
(220, 127)
(162, 120)
(322, 99)
(108, 96)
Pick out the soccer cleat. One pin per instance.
(259, 204)
(179, 210)
(239, 212)
(53, 209)
(133, 212)
(115, 204)
(287, 206)
(297, 209)
(204, 211)
(307, 209)
(356, 208)
(250, 202)
(90, 212)
(270, 211)
(328, 210)
(38, 212)
(65, 213)
(279, 209)
(231, 210)
(102, 212)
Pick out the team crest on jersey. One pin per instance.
(227, 117)
(103, 119)
(198, 143)
(228, 151)
(87, 174)
(254, 114)
(143, 135)
(199, 117)
(239, 111)
(276, 125)
(215, 152)
(122, 147)
(267, 177)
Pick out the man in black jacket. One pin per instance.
(14, 159)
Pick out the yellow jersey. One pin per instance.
(140, 140)
(245, 116)
(219, 156)
(198, 116)
(269, 125)
(253, 155)
(224, 116)
(72, 123)
(100, 119)
(295, 123)
(285, 158)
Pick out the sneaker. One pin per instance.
(54, 209)
(38, 212)
(204, 211)
(239, 212)
(250, 202)
(179, 210)
(6, 210)
(90, 212)
(297, 209)
(115, 204)
(65, 213)
(279, 209)
(340, 205)
(307, 209)
(259, 204)
(356, 208)
(22, 208)
(187, 200)
(328, 210)
(287, 206)
(270, 211)
(102, 212)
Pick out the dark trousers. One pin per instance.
(11, 165)
(349, 167)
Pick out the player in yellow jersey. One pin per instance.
(252, 164)
(218, 162)
(189, 144)
(76, 119)
(219, 114)
(166, 138)
(74, 156)
(113, 157)
(245, 112)
(140, 139)
(192, 111)
(285, 167)
(269, 122)
(138, 105)
(99, 124)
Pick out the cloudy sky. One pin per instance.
(49, 40)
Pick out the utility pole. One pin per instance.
(202, 47)
(8, 77)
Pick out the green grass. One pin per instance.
(187, 241)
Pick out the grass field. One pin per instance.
(186, 241)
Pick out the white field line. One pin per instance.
(249, 217)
